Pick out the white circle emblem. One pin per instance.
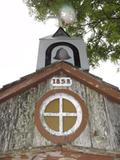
(61, 114)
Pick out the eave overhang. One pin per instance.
(32, 80)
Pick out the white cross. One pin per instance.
(61, 114)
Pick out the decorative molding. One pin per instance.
(58, 139)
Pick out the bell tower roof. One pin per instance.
(60, 32)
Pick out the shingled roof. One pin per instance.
(32, 80)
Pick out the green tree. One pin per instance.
(100, 19)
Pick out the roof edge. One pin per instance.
(60, 32)
(78, 151)
(85, 78)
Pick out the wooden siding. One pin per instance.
(17, 129)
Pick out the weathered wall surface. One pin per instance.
(18, 131)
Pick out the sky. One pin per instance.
(19, 39)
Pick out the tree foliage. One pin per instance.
(98, 20)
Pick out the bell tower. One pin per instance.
(60, 112)
(61, 47)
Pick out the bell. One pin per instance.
(62, 54)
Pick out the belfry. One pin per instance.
(61, 47)
(61, 111)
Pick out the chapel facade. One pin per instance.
(61, 111)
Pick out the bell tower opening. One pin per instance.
(65, 56)
(61, 47)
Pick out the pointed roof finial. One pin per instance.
(60, 32)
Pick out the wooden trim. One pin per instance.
(28, 83)
(66, 153)
(61, 139)
(93, 83)
(84, 78)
